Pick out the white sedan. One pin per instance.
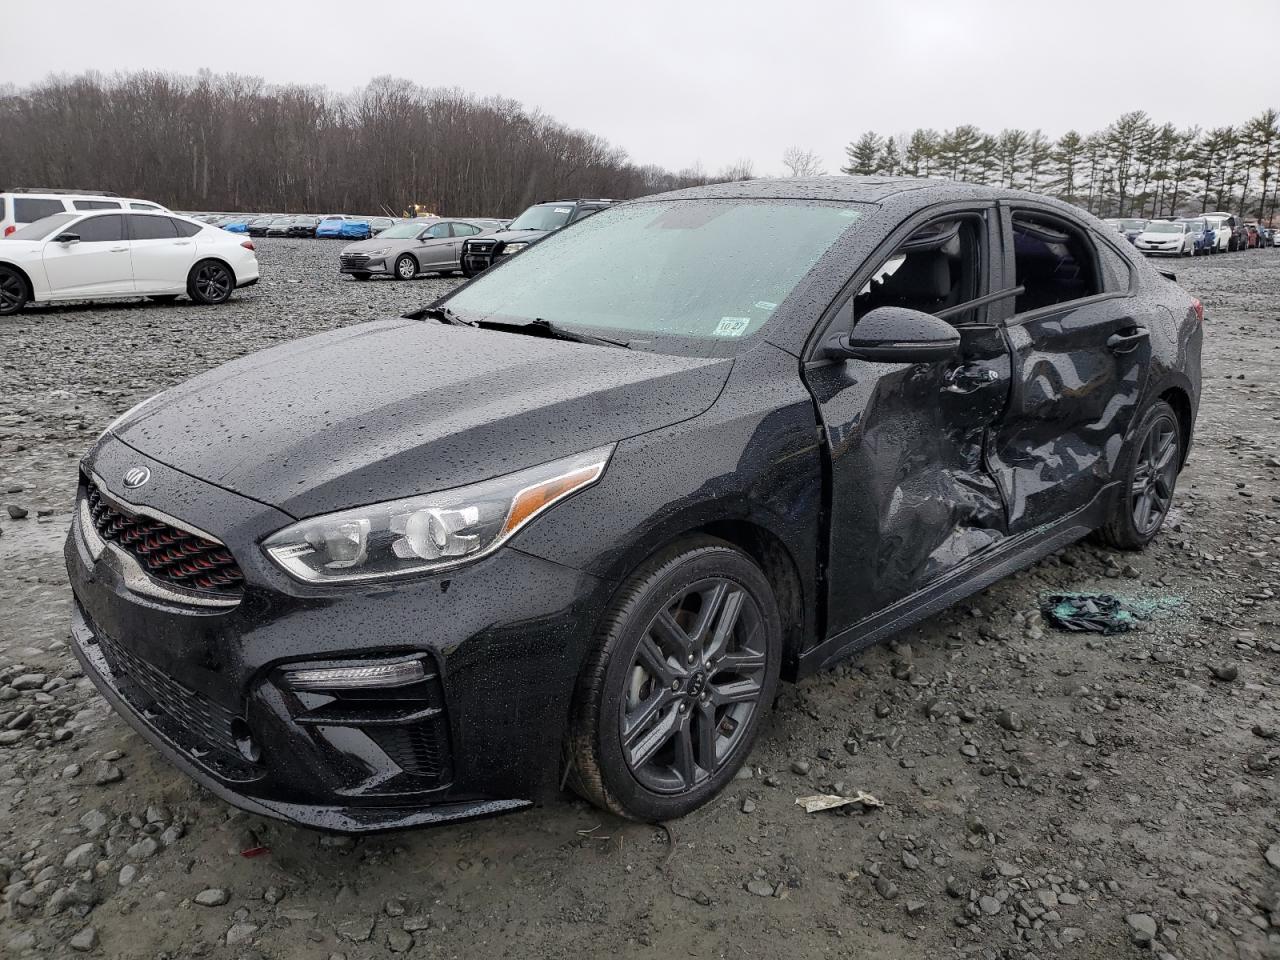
(91, 256)
(1166, 238)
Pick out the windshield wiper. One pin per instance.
(545, 328)
(444, 315)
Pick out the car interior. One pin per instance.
(936, 268)
(1052, 262)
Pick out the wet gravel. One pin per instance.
(1045, 794)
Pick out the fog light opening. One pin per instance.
(245, 743)
(397, 673)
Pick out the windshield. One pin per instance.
(708, 269)
(1132, 224)
(403, 231)
(1164, 228)
(42, 228)
(551, 216)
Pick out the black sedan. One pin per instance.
(575, 521)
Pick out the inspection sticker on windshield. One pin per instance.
(765, 305)
(564, 209)
(732, 326)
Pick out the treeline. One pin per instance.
(1135, 167)
(236, 143)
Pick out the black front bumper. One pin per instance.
(501, 643)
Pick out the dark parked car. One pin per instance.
(258, 225)
(577, 518)
(539, 221)
(302, 227)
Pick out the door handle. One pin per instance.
(968, 378)
(182, 243)
(119, 250)
(1128, 340)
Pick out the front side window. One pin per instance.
(1054, 262)
(937, 267)
(437, 232)
(31, 209)
(704, 269)
(43, 228)
(584, 212)
(104, 229)
(151, 228)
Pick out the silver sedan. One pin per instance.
(406, 249)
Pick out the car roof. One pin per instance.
(839, 188)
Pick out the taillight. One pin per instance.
(247, 244)
(1198, 307)
(9, 229)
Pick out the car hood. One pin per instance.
(513, 236)
(401, 407)
(373, 243)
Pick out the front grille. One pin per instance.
(150, 689)
(167, 553)
(480, 246)
(354, 259)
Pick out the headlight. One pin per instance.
(430, 532)
(513, 248)
(380, 252)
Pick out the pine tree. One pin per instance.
(1011, 154)
(1068, 155)
(1262, 134)
(863, 155)
(921, 155)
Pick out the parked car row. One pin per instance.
(335, 226)
(1192, 236)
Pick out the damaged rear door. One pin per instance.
(910, 494)
(1081, 352)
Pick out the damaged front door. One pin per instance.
(910, 494)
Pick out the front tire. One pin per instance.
(406, 267)
(210, 282)
(14, 294)
(1149, 474)
(359, 276)
(672, 698)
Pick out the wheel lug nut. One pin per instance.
(675, 684)
(690, 658)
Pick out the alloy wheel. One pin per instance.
(213, 282)
(406, 268)
(12, 293)
(1154, 475)
(693, 685)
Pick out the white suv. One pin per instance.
(20, 207)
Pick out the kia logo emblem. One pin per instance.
(136, 476)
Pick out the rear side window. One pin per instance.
(31, 209)
(185, 229)
(1053, 261)
(143, 206)
(465, 230)
(151, 228)
(95, 204)
(1116, 270)
(104, 229)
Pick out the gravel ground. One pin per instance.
(1046, 794)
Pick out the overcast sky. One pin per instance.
(677, 83)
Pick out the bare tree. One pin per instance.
(802, 163)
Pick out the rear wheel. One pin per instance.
(1149, 474)
(406, 267)
(13, 291)
(671, 700)
(210, 282)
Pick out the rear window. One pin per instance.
(95, 204)
(31, 209)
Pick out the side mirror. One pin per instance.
(897, 335)
(67, 238)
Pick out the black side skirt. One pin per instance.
(973, 575)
